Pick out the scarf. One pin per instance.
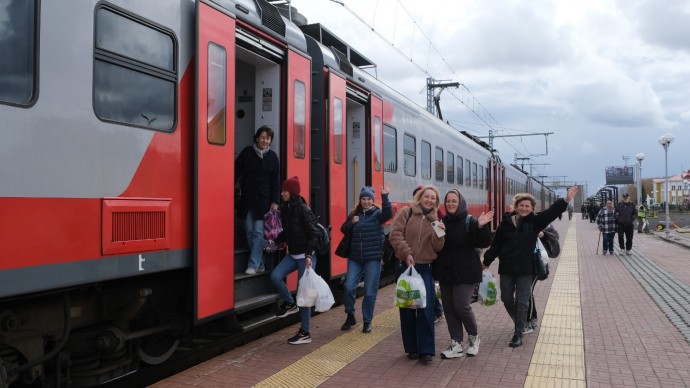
(261, 152)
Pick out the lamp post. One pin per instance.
(665, 140)
(639, 158)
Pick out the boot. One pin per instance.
(349, 322)
(516, 341)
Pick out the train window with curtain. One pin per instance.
(438, 165)
(468, 173)
(216, 89)
(135, 71)
(474, 175)
(410, 151)
(338, 130)
(450, 170)
(390, 149)
(481, 177)
(299, 119)
(377, 143)
(459, 170)
(18, 45)
(426, 160)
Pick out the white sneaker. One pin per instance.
(473, 348)
(528, 328)
(454, 350)
(250, 271)
(628, 253)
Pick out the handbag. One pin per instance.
(540, 262)
(343, 249)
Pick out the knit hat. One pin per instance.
(291, 185)
(367, 192)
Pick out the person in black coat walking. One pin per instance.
(458, 269)
(514, 244)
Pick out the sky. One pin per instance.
(607, 77)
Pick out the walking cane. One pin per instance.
(599, 239)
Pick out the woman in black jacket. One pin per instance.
(458, 269)
(514, 244)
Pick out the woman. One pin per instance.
(416, 245)
(514, 243)
(459, 268)
(300, 234)
(258, 171)
(606, 222)
(365, 224)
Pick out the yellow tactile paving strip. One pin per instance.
(318, 366)
(558, 359)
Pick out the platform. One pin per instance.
(604, 321)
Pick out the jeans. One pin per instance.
(417, 325)
(608, 241)
(286, 266)
(459, 314)
(628, 231)
(255, 233)
(372, 274)
(516, 292)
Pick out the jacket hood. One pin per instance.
(462, 208)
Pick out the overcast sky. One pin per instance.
(608, 77)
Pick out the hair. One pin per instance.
(609, 202)
(262, 129)
(418, 196)
(519, 197)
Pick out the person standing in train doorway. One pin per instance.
(257, 171)
(607, 226)
(300, 234)
(365, 226)
(458, 269)
(626, 213)
(514, 244)
(416, 244)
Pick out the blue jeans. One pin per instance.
(417, 325)
(372, 274)
(516, 292)
(255, 233)
(608, 241)
(287, 266)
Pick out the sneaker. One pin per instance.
(629, 253)
(250, 271)
(349, 322)
(302, 337)
(287, 309)
(516, 341)
(610, 252)
(528, 328)
(413, 356)
(533, 322)
(438, 316)
(426, 358)
(366, 329)
(473, 347)
(454, 350)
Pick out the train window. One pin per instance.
(459, 170)
(337, 130)
(481, 177)
(410, 152)
(135, 72)
(390, 149)
(215, 118)
(18, 51)
(468, 173)
(426, 160)
(450, 171)
(474, 175)
(377, 143)
(438, 158)
(299, 119)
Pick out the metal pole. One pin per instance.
(639, 182)
(668, 220)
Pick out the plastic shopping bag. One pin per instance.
(543, 252)
(487, 289)
(410, 291)
(324, 296)
(307, 289)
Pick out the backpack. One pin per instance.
(323, 239)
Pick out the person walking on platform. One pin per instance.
(607, 226)
(365, 225)
(583, 210)
(570, 212)
(458, 269)
(514, 244)
(416, 244)
(626, 213)
(299, 231)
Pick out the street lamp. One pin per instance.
(639, 158)
(665, 140)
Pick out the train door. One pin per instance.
(375, 165)
(497, 191)
(341, 124)
(214, 219)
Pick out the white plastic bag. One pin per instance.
(544, 254)
(410, 291)
(307, 289)
(324, 296)
(487, 289)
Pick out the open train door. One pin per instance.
(376, 125)
(337, 166)
(214, 220)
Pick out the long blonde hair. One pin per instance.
(418, 196)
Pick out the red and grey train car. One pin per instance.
(120, 121)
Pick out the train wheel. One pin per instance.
(156, 349)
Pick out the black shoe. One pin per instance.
(438, 316)
(413, 356)
(426, 358)
(349, 322)
(516, 341)
(366, 328)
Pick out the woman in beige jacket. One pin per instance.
(416, 243)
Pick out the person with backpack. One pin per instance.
(365, 226)
(300, 234)
(458, 269)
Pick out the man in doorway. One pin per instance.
(625, 215)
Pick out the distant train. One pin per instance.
(120, 122)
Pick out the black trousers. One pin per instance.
(628, 231)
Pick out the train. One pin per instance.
(120, 123)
